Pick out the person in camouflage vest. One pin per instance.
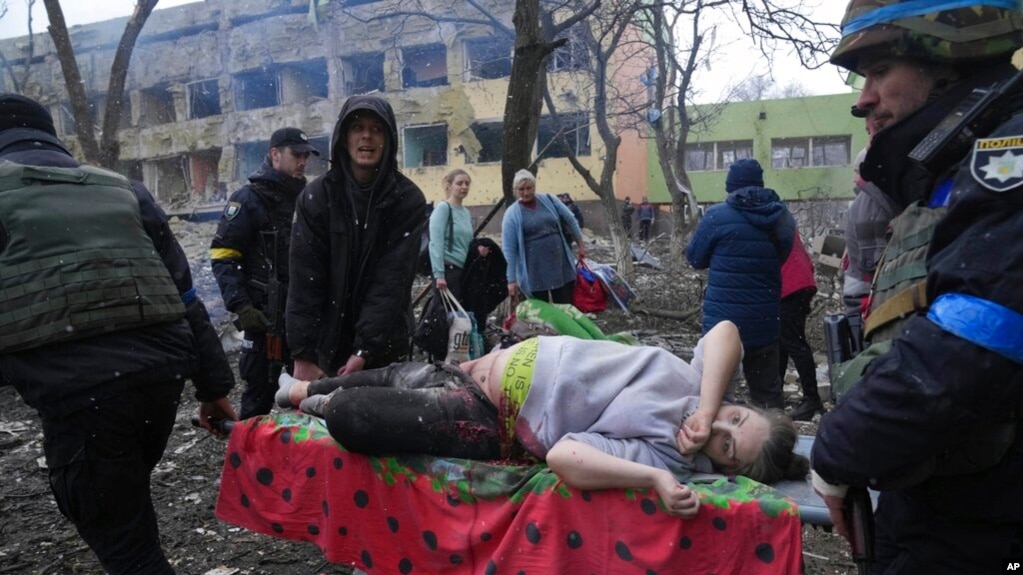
(932, 420)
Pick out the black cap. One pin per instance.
(17, 111)
(294, 139)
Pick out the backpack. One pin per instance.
(423, 265)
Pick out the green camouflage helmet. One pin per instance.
(948, 31)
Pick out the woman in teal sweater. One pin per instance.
(451, 233)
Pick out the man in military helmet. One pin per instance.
(249, 257)
(99, 327)
(933, 421)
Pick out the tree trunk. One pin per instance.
(107, 152)
(523, 105)
(72, 81)
(109, 147)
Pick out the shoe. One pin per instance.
(806, 409)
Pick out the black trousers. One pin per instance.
(760, 368)
(562, 294)
(100, 459)
(914, 538)
(644, 229)
(411, 408)
(260, 384)
(794, 310)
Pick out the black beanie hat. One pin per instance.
(17, 111)
(743, 174)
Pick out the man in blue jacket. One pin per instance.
(744, 242)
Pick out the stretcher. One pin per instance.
(284, 476)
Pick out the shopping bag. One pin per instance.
(459, 330)
(615, 285)
(587, 295)
(431, 333)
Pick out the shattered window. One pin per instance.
(729, 152)
(425, 146)
(571, 56)
(256, 89)
(488, 58)
(490, 136)
(700, 157)
(248, 157)
(789, 153)
(831, 150)
(203, 99)
(363, 73)
(304, 82)
(156, 107)
(425, 66)
(571, 130)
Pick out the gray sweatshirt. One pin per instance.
(623, 400)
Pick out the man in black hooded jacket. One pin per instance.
(251, 243)
(94, 336)
(353, 250)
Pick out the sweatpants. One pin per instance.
(411, 407)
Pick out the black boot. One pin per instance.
(806, 409)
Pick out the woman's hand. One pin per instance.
(513, 290)
(582, 249)
(677, 498)
(442, 284)
(695, 431)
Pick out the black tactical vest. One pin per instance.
(75, 259)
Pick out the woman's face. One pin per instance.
(525, 191)
(459, 187)
(737, 437)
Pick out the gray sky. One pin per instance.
(737, 59)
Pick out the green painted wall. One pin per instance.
(763, 121)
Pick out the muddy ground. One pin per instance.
(36, 539)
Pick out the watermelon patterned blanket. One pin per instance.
(284, 476)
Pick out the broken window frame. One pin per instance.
(489, 152)
(575, 127)
(358, 71)
(156, 99)
(420, 54)
(211, 97)
(435, 156)
(718, 155)
(813, 152)
(571, 56)
(491, 49)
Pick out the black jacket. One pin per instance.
(933, 388)
(353, 255)
(60, 378)
(238, 252)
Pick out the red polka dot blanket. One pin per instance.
(286, 477)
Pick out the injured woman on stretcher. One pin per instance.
(601, 414)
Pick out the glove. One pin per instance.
(252, 320)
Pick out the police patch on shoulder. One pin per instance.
(997, 163)
(232, 210)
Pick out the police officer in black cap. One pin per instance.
(249, 256)
(99, 327)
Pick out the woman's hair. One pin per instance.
(777, 459)
(449, 177)
(522, 176)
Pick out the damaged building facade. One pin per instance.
(210, 81)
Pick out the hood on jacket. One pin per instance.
(277, 179)
(339, 157)
(761, 206)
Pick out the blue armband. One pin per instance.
(983, 323)
(188, 296)
(914, 8)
